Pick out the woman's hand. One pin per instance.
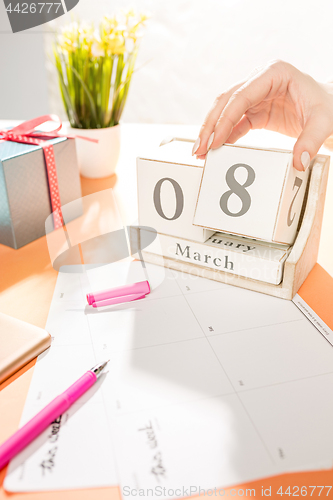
(277, 97)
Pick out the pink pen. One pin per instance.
(140, 288)
(119, 300)
(45, 417)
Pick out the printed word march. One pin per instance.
(197, 256)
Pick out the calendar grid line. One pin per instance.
(232, 385)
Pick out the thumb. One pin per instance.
(316, 130)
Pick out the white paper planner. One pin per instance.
(208, 386)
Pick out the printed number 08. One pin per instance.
(238, 189)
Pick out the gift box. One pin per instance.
(34, 179)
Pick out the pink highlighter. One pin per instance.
(119, 294)
(47, 415)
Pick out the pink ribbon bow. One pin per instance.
(26, 133)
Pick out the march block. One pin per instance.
(251, 192)
(168, 186)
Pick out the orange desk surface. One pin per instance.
(27, 281)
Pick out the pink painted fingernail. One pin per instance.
(210, 141)
(305, 160)
(196, 146)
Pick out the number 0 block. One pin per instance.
(251, 192)
(168, 186)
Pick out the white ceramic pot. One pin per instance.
(97, 159)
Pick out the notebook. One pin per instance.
(20, 342)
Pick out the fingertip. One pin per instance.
(200, 145)
(316, 130)
(196, 146)
(298, 166)
(302, 156)
(301, 161)
(305, 160)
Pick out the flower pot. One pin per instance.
(97, 159)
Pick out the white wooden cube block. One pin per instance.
(252, 192)
(168, 186)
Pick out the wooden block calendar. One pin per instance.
(176, 201)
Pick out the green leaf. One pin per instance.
(70, 110)
(88, 94)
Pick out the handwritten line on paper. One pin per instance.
(157, 468)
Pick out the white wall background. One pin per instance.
(23, 77)
(194, 50)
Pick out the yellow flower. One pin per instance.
(115, 43)
(118, 34)
(130, 12)
(70, 31)
(97, 46)
(135, 24)
(108, 24)
(85, 29)
(66, 44)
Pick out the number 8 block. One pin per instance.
(251, 192)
